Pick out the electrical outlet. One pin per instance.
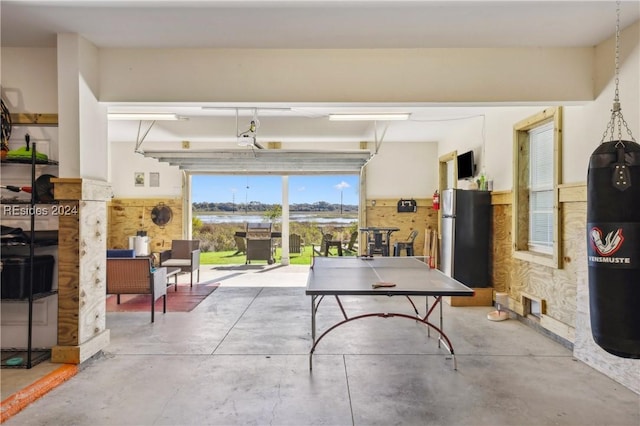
(186, 145)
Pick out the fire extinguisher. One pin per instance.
(436, 200)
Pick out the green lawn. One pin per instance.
(228, 258)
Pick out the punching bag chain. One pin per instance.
(617, 120)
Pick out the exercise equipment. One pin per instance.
(613, 247)
(613, 233)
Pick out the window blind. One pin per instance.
(541, 188)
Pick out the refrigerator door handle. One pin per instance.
(449, 202)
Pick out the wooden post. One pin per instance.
(81, 269)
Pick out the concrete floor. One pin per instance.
(241, 357)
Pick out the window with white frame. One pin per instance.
(541, 188)
(536, 221)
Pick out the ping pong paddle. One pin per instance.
(382, 284)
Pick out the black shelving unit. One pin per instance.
(32, 247)
(32, 356)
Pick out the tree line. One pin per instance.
(256, 206)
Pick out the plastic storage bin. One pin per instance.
(15, 276)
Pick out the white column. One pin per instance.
(82, 129)
(187, 217)
(82, 150)
(285, 220)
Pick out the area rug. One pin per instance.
(183, 300)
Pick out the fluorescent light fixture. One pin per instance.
(149, 116)
(391, 116)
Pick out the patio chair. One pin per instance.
(352, 244)
(135, 276)
(328, 242)
(378, 243)
(295, 243)
(325, 244)
(241, 245)
(184, 254)
(405, 245)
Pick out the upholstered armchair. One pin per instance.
(135, 276)
(184, 254)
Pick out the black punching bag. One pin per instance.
(613, 247)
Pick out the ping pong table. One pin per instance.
(380, 276)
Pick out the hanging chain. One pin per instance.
(617, 120)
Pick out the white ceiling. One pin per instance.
(308, 24)
(313, 24)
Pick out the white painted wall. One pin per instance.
(490, 137)
(403, 170)
(83, 120)
(125, 162)
(28, 81)
(583, 125)
(27, 78)
(347, 75)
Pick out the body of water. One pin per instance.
(293, 217)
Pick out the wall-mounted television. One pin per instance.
(466, 165)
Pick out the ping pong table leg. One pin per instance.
(313, 318)
(426, 309)
(441, 339)
(440, 325)
(313, 330)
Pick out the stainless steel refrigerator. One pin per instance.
(466, 233)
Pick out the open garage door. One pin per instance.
(257, 161)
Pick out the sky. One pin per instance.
(268, 189)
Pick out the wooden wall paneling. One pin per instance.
(128, 216)
(572, 192)
(81, 248)
(68, 279)
(557, 287)
(574, 241)
(502, 247)
(385, 214)
(566, 290)
(34, 118)
(501, 197)
(521, 196)
(519, 278)
(502, 241)
(540, 282)
(67, 188)
(81, 270)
